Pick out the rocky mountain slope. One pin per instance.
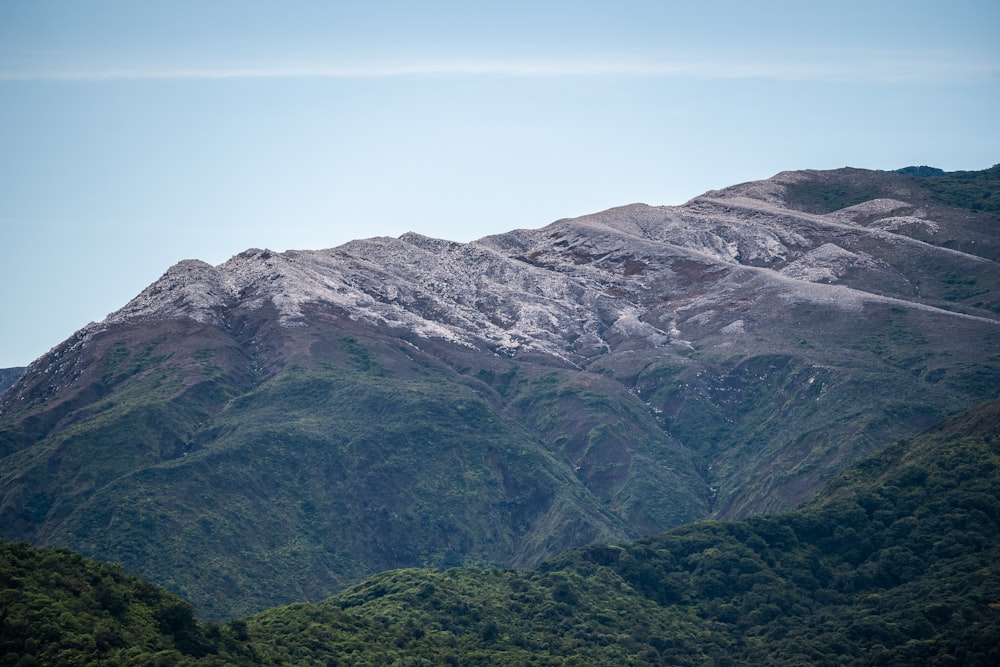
(393, 402)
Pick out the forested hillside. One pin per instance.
(897, 562)
(58, 608)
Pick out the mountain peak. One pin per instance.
(190, 288)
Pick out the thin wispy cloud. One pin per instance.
(868, 71)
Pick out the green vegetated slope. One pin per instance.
(318, 478)
(327, 473)
(976, 190)
(323, 475)
(897, 562)
(774, 427)
(58, 608)
(837, 189)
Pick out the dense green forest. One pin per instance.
(897, 562)
(58, 608)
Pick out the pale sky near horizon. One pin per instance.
(137, 134)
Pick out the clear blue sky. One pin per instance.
(136, 134)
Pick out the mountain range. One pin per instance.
(283, 425)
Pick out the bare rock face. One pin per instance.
(414, 401)
(543, 290)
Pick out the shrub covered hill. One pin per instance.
(895, 562)
(280, 426)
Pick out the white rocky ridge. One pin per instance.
(896, 223)
(873, 208)
(829, 263)
(574, 289)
